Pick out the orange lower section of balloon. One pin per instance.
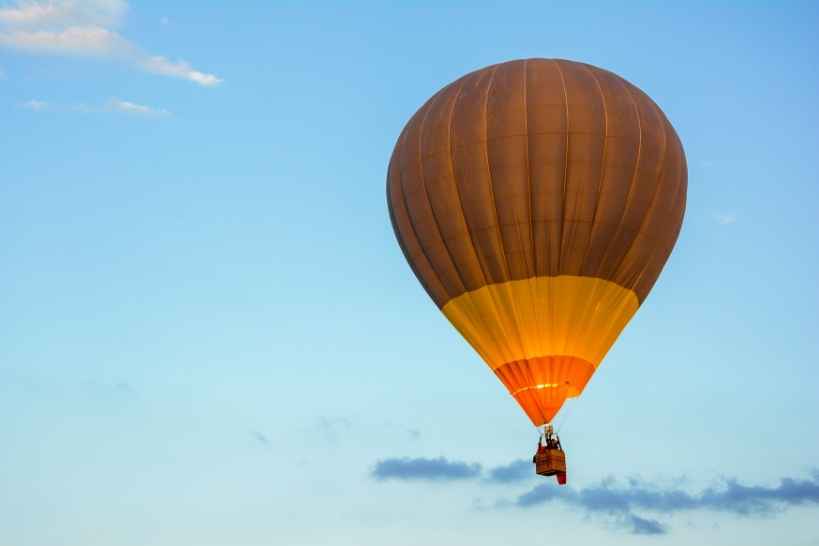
(541, 385)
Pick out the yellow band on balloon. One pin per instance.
(541, 316)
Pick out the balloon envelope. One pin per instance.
(537, 202)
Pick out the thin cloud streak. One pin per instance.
(114, 105)
(64, 12)
(24, 14)
(129, 107)
(644, 526)
(85, 28)
(35, 105)
(420, 469)
(724, 219)
(77, 41)
(178, 69)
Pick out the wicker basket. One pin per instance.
(549, 462)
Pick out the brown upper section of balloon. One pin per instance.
(537, 167)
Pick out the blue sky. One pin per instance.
(209, 335)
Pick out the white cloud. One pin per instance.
(725, 218)
(129, 107)
(45, 13)
(31, 13)
(114, 105)
(96, 41)
(35, 105)
(178, 69)
(84, 28)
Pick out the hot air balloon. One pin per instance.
(537, 202)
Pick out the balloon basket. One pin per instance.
(550, 462)
(550, 459)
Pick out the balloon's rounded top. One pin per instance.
(537, 202)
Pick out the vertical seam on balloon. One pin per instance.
(570, 222)
(565, 163)
(412, 222)
(469, 294)
(583, 321)
(552, 305)
(505, 262)
(529, 166)
(400, 236)
(633, 183)
(661, 176)
(426, 192)
(457, 188)
(681, 195)
(515, 315)
(602, 179)
(532, 283)
(669, 245)
(497, 342)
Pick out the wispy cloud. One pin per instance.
(35, 105)
(621, 501)
(725, 218)
(63, 12)
(177, 69)
(85, 28)
(88, 41)
(441, 468)
(516, 471)
(643, 526)
(436, 470)
(113, 105)
(129, 107)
